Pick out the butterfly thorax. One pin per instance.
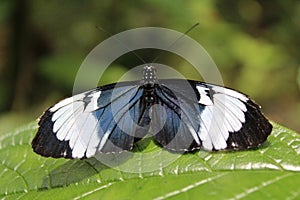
(149, 82)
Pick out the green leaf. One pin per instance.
(271, 171)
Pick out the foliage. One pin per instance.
(270, 171)
(254, 43)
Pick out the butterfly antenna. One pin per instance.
(120, 41)
(172, 44)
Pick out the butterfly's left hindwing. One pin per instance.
(92, 122)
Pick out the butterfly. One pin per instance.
(180, 115)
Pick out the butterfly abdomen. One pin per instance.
(149, 82)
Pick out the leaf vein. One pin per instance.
(259, 187)
(95, 190)
(189, 187)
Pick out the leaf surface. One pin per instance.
(270, 171)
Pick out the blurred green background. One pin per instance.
(255, 45)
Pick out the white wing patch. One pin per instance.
(224, 112)
(229, 92)
(72, 118)
(68, 101)
(204, 99)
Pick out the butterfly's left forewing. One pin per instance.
(92, 122)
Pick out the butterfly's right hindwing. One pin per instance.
(175, 119)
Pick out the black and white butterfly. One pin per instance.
(180, 115)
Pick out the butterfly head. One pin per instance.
(149, 75)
